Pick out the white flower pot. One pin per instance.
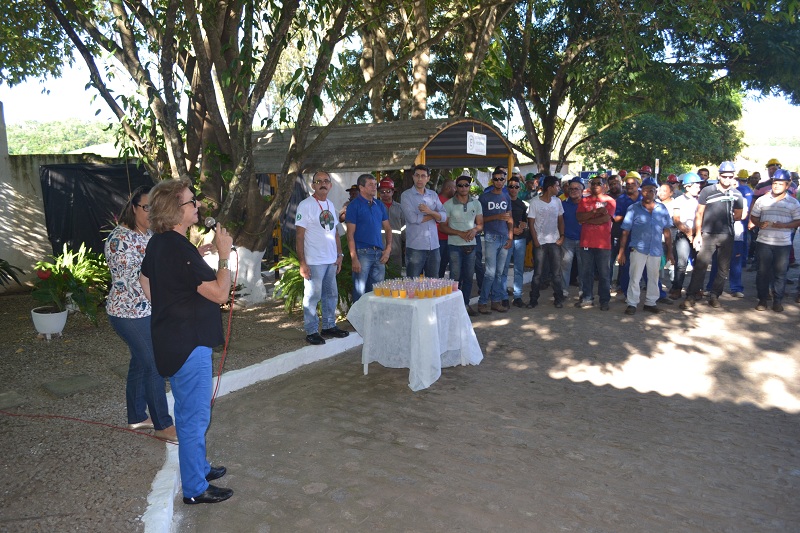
(47, 322)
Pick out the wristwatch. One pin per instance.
(223, 263)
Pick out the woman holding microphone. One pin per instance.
(186, 324)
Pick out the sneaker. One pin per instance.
(630, 310)
(471, 311)
(713, 301)
(583, 304)
(604, 307)
(737, 294)
(762, 305)
(558, 304)
(518, 302)
(484, 309)
(336, 332)
(665, 300)
(532, 304)
(652, 309)
(777, 307)
(499, 307)
(688, 303)
(315, 338)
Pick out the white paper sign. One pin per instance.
(476, 143)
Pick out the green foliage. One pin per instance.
(8, 274)
(32, 44)
(57, 137)
(80, 277)
(704, 133)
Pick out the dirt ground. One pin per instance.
(86, 472)
(577, 420)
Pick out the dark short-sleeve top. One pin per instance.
(719, 206)
(181, 319)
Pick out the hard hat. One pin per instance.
(773, 161)
(622, 173)
(726, 166)
(578, 181)
(530, 176)
(515, 171)
(742, 175)
(688, 178)
(386, 183)
(645, 169)
(672, 178)
(649, 182)
(635, 175)
(781, 175)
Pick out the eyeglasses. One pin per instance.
(498, 179)
(418, 175)
(385, 191)
(318, 182)
(145, 207)
(513, 186)
(193, 201)
(463, 185)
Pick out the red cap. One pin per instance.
(672, 178)
(646, 168)
(386, 183)
(622, 173)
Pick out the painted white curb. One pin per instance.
(166, 485)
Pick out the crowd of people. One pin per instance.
(613, 232)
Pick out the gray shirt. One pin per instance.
(421, 235)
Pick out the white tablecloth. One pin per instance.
(421, 335)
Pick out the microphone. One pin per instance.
(210, 222)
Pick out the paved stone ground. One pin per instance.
(577, 420)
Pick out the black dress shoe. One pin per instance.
(335, 331)
(315, 338)
(216, 472)
(211, 495)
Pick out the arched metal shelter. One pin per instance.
(437, 143)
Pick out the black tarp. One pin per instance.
(82, 201)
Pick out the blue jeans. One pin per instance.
(419, 261)
(191, 388)
(595, 260)
(495, 256)
(569, 249)
(479, 268)
(321, 286)
(773, 263)
(444, 257)
(517, 253)
(462, 268)
(145, 388)
(684, 252)
(550, 255)
(372, 271)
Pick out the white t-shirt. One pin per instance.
(546, 215)
(767, 209)
(319, 220)
(685, 207)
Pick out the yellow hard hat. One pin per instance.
(635, 175)
(743, 175)
(773, 161)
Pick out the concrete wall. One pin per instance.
(23, 235)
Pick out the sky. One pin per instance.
(68, 98)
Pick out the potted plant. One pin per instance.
(73, 278)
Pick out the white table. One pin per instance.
(421, 335)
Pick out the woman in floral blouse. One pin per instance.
(129, 314)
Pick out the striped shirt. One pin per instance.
(767, 209)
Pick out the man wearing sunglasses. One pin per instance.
(464, 222)
(319, 251)
(519, 213)
(497, 238)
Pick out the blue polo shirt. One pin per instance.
(368, 218)
(624, 202)
(646, 228)
(572, 230)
